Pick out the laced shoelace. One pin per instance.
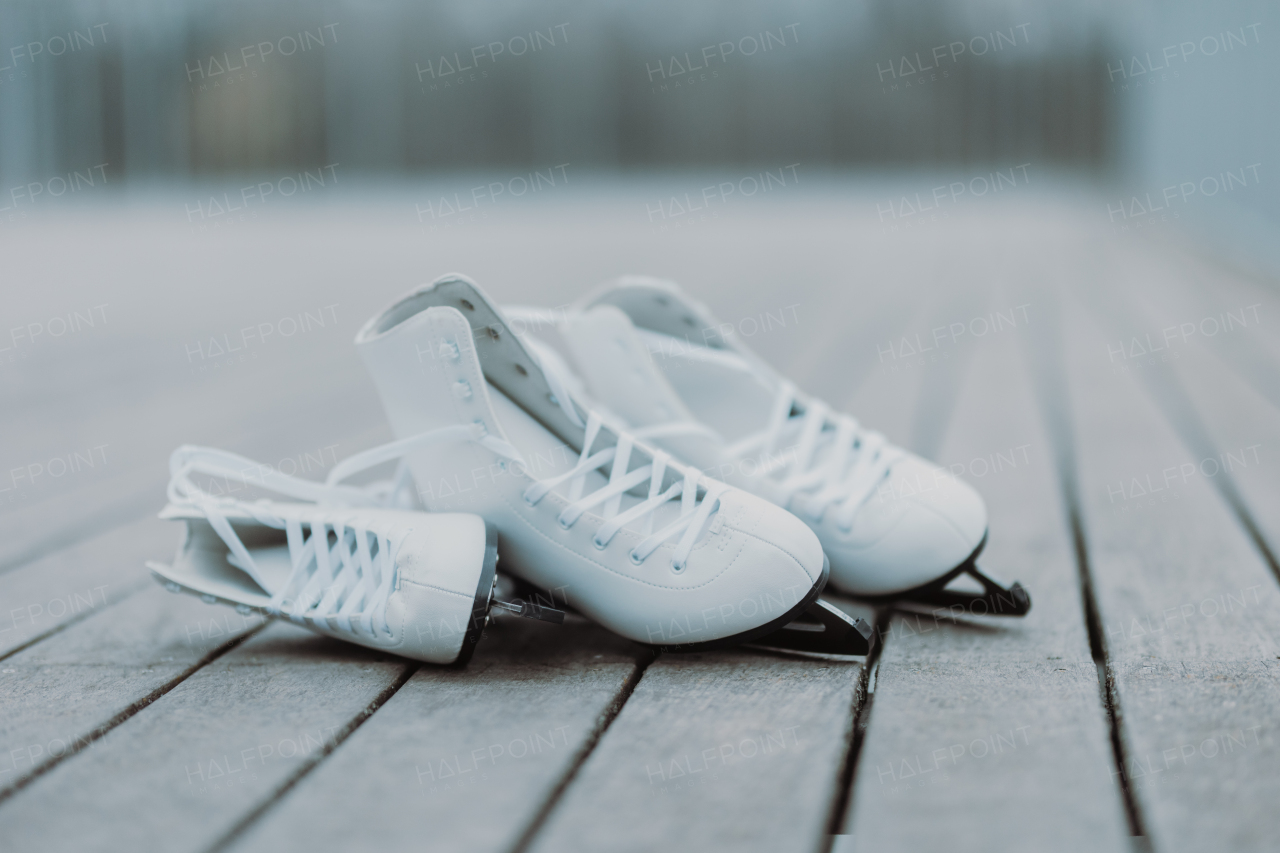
(856, 460)
(828, 459)
(694, 515)
(695, 512)
(809, 460)
(345, 583)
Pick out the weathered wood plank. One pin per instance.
(464, 759)
(884, 402)
(71, 584)
(1211, 388)
(61, 694)
(726, 751)
(1239, 451)
(993, 728)
(1203, 302)
(189, 766)
(1188, 611)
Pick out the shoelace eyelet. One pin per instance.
(636, 560)
(565, 524)
(600, 546)
(677, 567)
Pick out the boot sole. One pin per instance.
(997, 600)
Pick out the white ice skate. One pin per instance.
(895, 526)
(636, 541)
(414, 584)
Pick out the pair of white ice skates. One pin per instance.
(680, 493)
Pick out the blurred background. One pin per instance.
(1136, 94)
(190, 88)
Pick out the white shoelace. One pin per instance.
(852, 464)
(809, 461)
(695, 514)
(345, 583)
(345, 571)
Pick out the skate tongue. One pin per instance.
(723, 384)
(659, 306)
(508, 364)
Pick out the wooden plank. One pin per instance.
(1187, 609)
(737, 750)
(884, 402)
(188, 767)
(1190, 288)
(61, 694)
(1191, 311)
(1238, 450)
(993, 728)
(1210, 388)
(68, 585)
(465, 759)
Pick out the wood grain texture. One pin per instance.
(1240, 452)
(723, 751)
(59, 695)
(207, 752)
(465, 758)
(1211, 377)
(993, 728)
(1188, 611)
(72, 583)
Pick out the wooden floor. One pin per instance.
(1114, 395)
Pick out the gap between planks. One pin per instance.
(125, 715)
(1046, 358)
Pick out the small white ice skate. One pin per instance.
(335, 561)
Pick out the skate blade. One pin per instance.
(822, 629)
(996, 599)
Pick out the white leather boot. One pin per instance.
(410, 583)
(895, 526)
(634, 540)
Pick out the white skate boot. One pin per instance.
(895, 526)
(410, 583)
(641, 544)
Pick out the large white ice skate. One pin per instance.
(895, 526)
(414, 584)
(645, 546)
